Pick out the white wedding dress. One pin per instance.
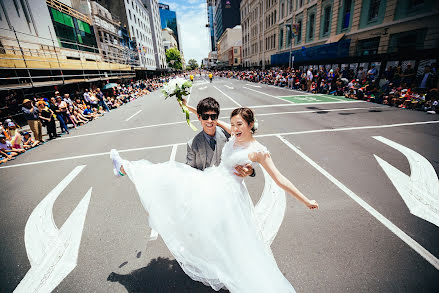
(209, 223)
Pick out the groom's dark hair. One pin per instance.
(208, 104)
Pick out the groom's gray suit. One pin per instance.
(199, 153)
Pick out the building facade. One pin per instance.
(169, 40)
(260, 31)
(156, 31)
(226, 16)
(229, 47)
(339, 32)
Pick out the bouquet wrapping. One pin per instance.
(179, 88)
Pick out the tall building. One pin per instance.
(156, 31)
(210, 18)
(135, 17)
(168, 18)
(226, 16)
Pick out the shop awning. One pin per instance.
(335, 39)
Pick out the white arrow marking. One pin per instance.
(52, 252)
(229, 87)
(203, 88)
(420, 190)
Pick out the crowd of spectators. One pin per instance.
(60, 112)
(393, 86)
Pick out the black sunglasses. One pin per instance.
(206, 116)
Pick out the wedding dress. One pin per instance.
(209, 223)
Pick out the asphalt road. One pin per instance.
(362, 239)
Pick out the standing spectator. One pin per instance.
(427, 80)
(33, 119)
(309, 77)
(59, 115)
(48, 119)
(409, 74)
(87, 97)
(101, 99)
(372, 73)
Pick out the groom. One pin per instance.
(204, 150)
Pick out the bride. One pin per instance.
(207, 219)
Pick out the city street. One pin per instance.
(370, 167)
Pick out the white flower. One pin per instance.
(255, 125)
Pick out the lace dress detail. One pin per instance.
(209, 223)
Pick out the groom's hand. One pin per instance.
(243, 171)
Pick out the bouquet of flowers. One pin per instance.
(179, 87)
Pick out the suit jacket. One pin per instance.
(199, 153)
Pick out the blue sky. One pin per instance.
(192, 18)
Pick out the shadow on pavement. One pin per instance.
(160, 275)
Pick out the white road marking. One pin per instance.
(253, 85)
(90, 155)
(53, 252)
(269, 95)
(229, 87)
(133, 115)
(389, 225)
(173, 152)
(121, 130)
(256, 136)
(228, 96)
(349, 128)
(203, 88)
(314, 111)
(420, 190)
(299, 104)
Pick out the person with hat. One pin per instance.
(6, 147)
(31, 114)
(28, 142)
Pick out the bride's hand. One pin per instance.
(312, 204)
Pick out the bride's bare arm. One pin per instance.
(222, 124)
(265, 160)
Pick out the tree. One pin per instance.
(173, 58)
(192, 64)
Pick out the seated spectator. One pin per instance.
(28, 141)
(6, 147)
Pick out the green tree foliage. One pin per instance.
(173, 58)
(192, 64)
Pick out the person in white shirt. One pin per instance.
(309, 77)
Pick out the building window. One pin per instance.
(235, 51)
(368, 47)
(415, 3)
(281, 38)
(346, 14)
(311, 26)
(282, 10)
(374, 7)
(326, 20)
(300, 4)
(236, 60)
(299, 31)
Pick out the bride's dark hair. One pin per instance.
(246, 114)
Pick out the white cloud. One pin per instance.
(192, 20)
